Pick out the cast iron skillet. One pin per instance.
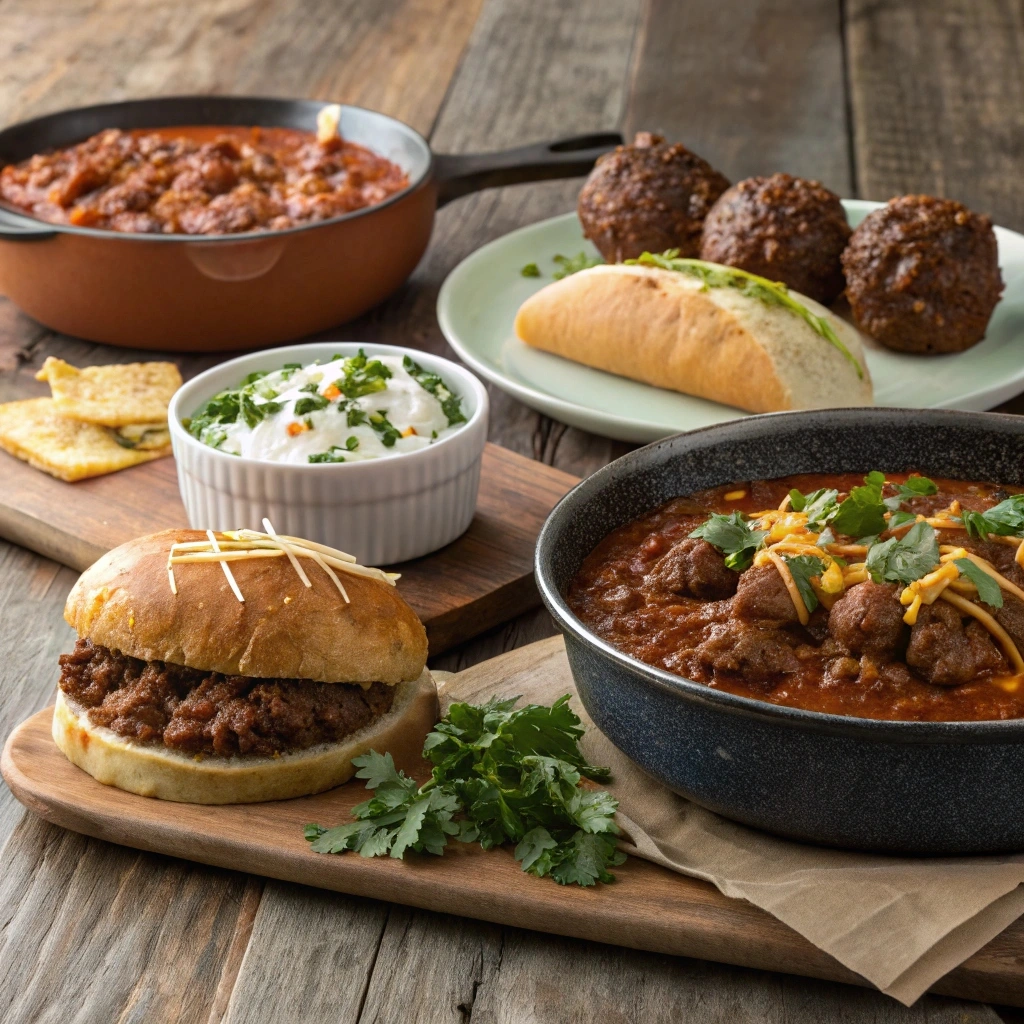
(901, 787)
(187, 293)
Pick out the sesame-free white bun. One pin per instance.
(282, 630)
(667, 329)
(156, 771)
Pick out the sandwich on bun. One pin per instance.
(702, 329)
(238, 667)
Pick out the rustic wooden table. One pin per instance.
(873, 99)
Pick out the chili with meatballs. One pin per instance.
(201, 180)
(890, 596)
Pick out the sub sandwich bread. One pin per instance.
(702, 329)
(239, 667)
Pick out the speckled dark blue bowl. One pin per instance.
(898, 787)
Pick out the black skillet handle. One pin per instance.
(15, 228)
(458, 175)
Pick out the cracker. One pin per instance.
(35, 431)
(112, 396)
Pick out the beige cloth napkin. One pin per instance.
(902, 923)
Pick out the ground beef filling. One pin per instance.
(197, 712)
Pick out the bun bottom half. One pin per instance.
(171, 775)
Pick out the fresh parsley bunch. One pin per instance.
(501, 775)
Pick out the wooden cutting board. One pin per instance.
(648, 907)
(481, 580)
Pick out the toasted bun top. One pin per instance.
(282, 630)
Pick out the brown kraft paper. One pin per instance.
(900, 922)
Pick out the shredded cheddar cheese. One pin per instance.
(787, 577)
(237, 545)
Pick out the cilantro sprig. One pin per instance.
(803, 568)
(818, 506)
(384, 428)
(1004, 520)
(905, 559)
(862, 512)
(227, 406)
(501, 775)
(989, 591)
(734, 536)
(362, 376)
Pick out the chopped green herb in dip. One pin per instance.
(349, 409)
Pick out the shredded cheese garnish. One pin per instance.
(985, 566)
(739, 495)
(224, 565)
(237, 545)
(926, 590)
(787, 577)
(789, 534)
(288, 551)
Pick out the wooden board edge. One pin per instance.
(33, 533)
(974, 979)
(496, 608)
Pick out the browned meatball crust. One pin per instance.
(922, 275)
(784, 228)
(868, 619)
(648, 197)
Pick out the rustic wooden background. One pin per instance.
(872, 98)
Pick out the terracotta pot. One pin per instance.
(189, 293)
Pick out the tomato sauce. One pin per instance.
(620, 594)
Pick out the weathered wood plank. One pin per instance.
(753, 87)
(94, 932)
(326, 977)
(547, 981)
(935, 95)
(32, 595)
(396, 56)
(445, 961)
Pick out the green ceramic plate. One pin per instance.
(478, 302)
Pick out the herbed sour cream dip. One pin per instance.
(347, 410)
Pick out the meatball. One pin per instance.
(922, 275)
(692, 567)
(762, 594)
(784, 228)
(868, 619)
(945, 652)
(757, 654)
(648, 197)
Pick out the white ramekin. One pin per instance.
(382, 510)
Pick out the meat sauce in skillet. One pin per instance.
(860, 645)
(200, 180)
